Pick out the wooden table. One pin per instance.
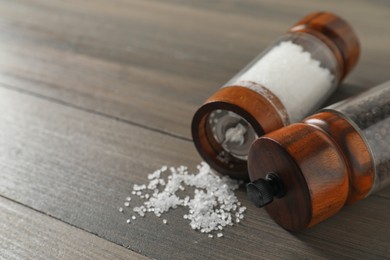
(96, 94)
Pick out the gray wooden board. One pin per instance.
(79, 167)
(154, 62)
(151, 63)
(27, 234)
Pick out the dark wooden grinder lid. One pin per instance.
(337, 34)
(311, 170)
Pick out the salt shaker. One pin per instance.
(285, 83)
(306, 172)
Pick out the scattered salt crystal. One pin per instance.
(127, 204)
(154, 175)
(212, 206)
(128, 221)
(120, 209)
(139, 187)
(140, 210)
(153, 184)
(128, 198)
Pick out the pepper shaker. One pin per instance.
(306, 172)
(285, 83)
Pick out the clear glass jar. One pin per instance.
(285, 83)
(299, 70)
(369, 113)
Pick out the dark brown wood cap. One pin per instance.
(312, 171)
(337, 33)
(252, 106)
(354, 149)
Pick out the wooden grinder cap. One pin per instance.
(337, 34)
(311, 170)
(255, 108)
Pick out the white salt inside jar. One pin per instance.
(300, 71)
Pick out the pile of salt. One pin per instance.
(212, 207)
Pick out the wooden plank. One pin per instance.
(154, 62)
(78, 167)
(28, 234)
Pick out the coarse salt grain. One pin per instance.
(291, 74)
(212, 206)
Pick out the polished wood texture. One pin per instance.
(354, 150)
(312, 171)
(293, 211)
(96, 94)
(337, 34)
(255, 108)
(323, 163)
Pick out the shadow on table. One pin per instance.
(357, 231)
(363, 227)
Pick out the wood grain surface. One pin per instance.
(154, 62)
(27, 234)
(96, 94)
(79, 167)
